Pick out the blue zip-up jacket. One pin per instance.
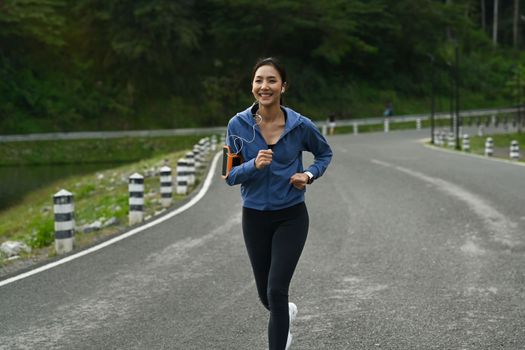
(269, 188)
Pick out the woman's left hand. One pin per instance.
(299, 180)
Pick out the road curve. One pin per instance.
(409, 248)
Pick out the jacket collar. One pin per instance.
(292, 117)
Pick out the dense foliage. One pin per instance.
(125, 64)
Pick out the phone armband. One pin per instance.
(229, 160)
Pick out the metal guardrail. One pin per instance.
(109, 134)
(221, 129)
(414, 117)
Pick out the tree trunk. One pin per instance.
(483, 15)
(495, 24)
(515, 27)
(449, 32)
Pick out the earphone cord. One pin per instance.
(243, 140)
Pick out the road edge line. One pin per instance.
(183, 208)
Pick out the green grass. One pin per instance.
(91, 151)
(501, 141)
(501, 144)
(97, 196)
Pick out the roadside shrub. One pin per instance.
(42, 232)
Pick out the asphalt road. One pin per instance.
(409, 248)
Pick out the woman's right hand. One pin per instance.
(264, 158)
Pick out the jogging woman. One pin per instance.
(270, 138)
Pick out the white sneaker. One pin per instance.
(289, 341)
(292, 312)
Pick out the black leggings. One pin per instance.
(275, 240)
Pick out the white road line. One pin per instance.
(191, 203)
(503, 229)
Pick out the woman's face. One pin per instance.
(267, 86)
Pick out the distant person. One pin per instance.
(331, 124)
(389, 109)
(271, 138)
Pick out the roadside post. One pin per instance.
(182, 177)
(489, 147)
(166, 188)
(64, 211)
(514, 150)
(190, 167)
(136, 198)
(466, 143)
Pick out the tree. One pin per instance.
(483, 16)
(515, 27)
(31, 21)
(495, 24)
(138, 42)
(28, 29)
(71, 63)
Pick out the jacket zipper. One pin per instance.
(268, 167)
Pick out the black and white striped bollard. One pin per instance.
(190, 166)
(202, 146)
(202, 149)
(207, 146)
(451, 141)
(182, 177)
(197, 157)
(439, 138)
(443, 138)
(166, 187)
(489, 147)
(466, 143)
(64, 210)
(136, 199)
(214, 143)
(387, 125)
(418, 124)
(514, 150)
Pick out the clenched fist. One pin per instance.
(264, 158)
(299, 180)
